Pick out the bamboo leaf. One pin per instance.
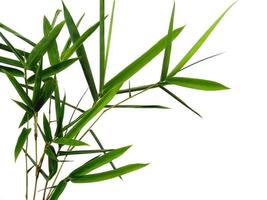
(138, 106)
(11, 71)
(199, 84)
(98, 162)
(179, 100)
(139, 63)
(23, 95)
(89, 114)
(8, 49)
(58, 11)
(70, 51)
(27, 116)
(197, 45)
(58, 190)
(21, 141)
(10, 61)
(74, 33)
(69, 142)
(23, 106)
(110, 34)
(55, 69)
(52, 162)
(10, 30)
(102, 44)
(59, 132)
(168, 48)
(107, 175)
(37, 85)
(41, 48)
(47, 129)
(45, 93)
(64, 153)
(52, 50)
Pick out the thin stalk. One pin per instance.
(88, 130)
(36, 154)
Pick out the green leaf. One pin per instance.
(10, 61)
(69, 52)
(179, 100)
(197, 45)
(65, 153)
(23, 95)
(37, 85)
(55, 69)
(59, 132)
(12, 71)
(68, 43)
(138, 106)
(45, 93)
(199, 84)
(58, 190)
(10, 30)
(74, 33)
(23, 106)
(12, 48)
(98, 162)
(110, 34)
(69, 142)
(52, 51)
(8, 49)
(58, 11)
(47, 129)
(21, 141)
(27, 116)
(89, 114)
(102, 43)
(52, 161)
(42, 47)
(139, 63)
(168, 48)
(107, 175)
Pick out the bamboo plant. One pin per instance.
(35, 80)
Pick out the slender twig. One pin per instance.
(36, 154)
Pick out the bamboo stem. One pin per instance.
(36, 154)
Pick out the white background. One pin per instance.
(222, 156)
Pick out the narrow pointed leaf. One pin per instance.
(47, 129)
(89, 114)
(10, 30)
(42, 47)
(74, 33)
(107, 175)
(64, 153)
(98, 162)
(52, 162)
(8, 49)
(59, 132)
(55, 69)
(197, 45)
(21, 141)
(37, 85)
(168, 48)
(27, 116)
(10, 61)
(139, 63)
(198, 84)
(23, 95)
(69, 52)
(11, 71)
(58, 190)
(138, 106)
(179, 100)
(102, 44)
(69, 142)
(57, 13)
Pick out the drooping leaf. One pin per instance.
(52, 50)
(89, 114)
(179, 100)
(168, 48)
(74, 33)
(42, 47)
(52, 162)
(23, 95)
(12, 71)
(139, 63)
(8, 49)
(64, 153)
(37, 85)
(27, 116)
(10, 30)
(55, 69)
(23, 106)
(59, 132)
(10, 61)
(69, 142)
(70, 51)
(21, 141)
(58, 190)
(138, 106)
(45, 93)
(47, 129)
(98, 162)
(58, 11)
(107, 175)
(199, 84)
(197, 45)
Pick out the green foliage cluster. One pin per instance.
(37, 85)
